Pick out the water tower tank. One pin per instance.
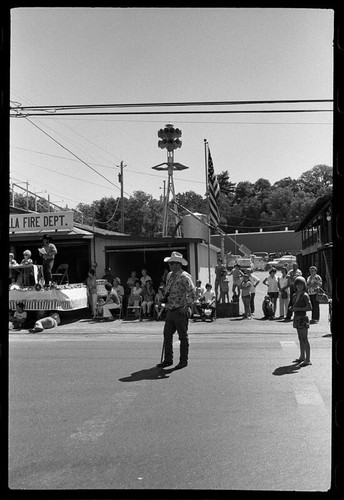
(192, 228)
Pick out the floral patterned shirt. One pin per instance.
(313, 282)
(180, 290)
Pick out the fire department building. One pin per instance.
(80, 245)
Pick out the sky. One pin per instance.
(83, 56)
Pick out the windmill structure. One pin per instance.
(170, 140)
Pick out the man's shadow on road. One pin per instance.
(286, 370)
(154, 373)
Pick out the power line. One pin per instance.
(208, 122)
(76, 156)
(132, 113)
(173, 104)
(99, 165)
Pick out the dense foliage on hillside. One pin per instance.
(244, 206)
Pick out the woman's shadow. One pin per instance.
(154, 373)
(286, 370)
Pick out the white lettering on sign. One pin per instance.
(40, 222)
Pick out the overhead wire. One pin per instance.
(73, 154)
(175, 104)
(213, 112)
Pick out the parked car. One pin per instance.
(258, 262)
(245, 263)
(285, 261)
(263, 255)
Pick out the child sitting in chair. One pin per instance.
(17, 320)
(267, 307)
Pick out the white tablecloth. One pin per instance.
(66, 299)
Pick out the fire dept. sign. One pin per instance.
(20, 223)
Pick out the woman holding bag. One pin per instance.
(314, 282)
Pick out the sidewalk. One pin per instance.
(76, 323)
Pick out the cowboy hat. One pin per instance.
(176, 257)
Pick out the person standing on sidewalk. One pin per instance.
(254, 283)
(292, 275)
(272, 284)
(302, 304)
(92, 294)
(245, 287)
(284, 291)
(218, 273)
(314, 282)
(179, 295)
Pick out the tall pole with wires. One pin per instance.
(120, 180)
(170, 140)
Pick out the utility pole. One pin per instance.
(120, 180)
(27, 195)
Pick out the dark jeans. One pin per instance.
(315, 307)
(47, 268)
(252, 302)
(176, 321)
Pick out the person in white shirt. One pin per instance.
(272, 284)
(199, 290)
(208, 299)
(254, 283)
(144, 277)
(284, 293)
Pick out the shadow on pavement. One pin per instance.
(154, 373)
(286, 370)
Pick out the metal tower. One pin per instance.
(170, 139)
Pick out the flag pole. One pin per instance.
(207, 194)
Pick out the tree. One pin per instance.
(226, 187)
(143, 215)
(29, 203)
(193, 202)
(243, 190)
(318, 180)
(287, 182)
(88, 212)
(107, 214)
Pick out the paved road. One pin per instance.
(88, 409)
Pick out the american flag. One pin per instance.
(213, 193)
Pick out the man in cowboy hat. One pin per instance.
(179, 295)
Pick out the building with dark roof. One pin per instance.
(317, 242)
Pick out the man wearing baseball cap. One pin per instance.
(179, 295)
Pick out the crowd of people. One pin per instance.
(278, 301)
(25, 277)
(149, 302)
(281, 301)
(177, 299)
(140, 295)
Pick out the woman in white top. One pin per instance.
(272, 284)
(284, 292)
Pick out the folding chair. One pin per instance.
(61, 274)
(117, 311)
(135, 308)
